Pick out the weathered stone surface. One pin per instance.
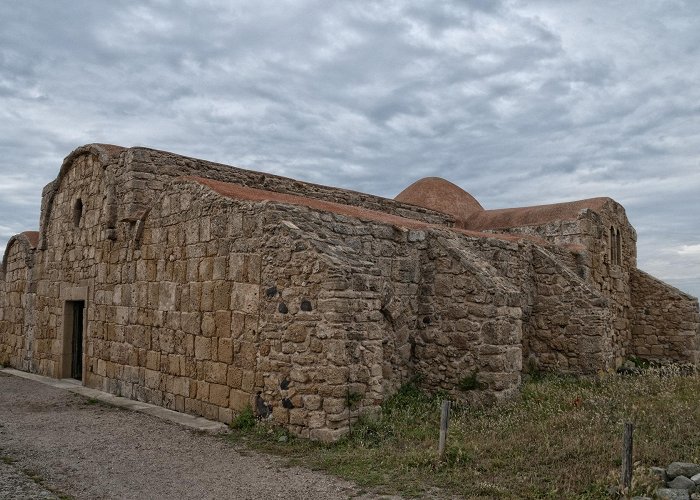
(682, 469)
(205, 285)
(682, 483)
(659, 473)
(671, 494)
(665, 321)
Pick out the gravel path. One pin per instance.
(15, 483)
(56, 444)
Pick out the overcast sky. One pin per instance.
(518, 102)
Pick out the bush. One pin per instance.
(470, 382)
(244, 420)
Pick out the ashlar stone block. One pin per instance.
(245, 297)
(239, 399)
(202, 348)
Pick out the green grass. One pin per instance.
(560, 439)
(470, 382)
(244, 421)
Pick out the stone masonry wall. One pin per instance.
(378, 308)
(368, 305)
(227, 299)
(315, 340)
(470, 341)
(199, 301)
(178, 326)
(103, 162)
(590, 258)
(566, 322)
(13, 289)
(316, 323)
(74, 254)
(570, 328)
(84, 262)
(143, 173)
(665, 321)
(352, 346)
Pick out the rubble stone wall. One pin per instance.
(470, 340)
(570, 330)
(585, 245)
(144, 173)
(224, 299)
(351, 347)
(206, 303)
(321, 313)
(320, 350)
(665, 321)
(566, 321)
(14, 280)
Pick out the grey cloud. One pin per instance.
(518, 102)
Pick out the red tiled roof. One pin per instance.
(32, 237)
(530, 216)
(237, 191)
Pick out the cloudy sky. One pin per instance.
(518, 102)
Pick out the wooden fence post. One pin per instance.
(627, 457)
(444, 422)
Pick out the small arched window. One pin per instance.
(77, 212)
(615, 246)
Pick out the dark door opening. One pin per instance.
(76, 364)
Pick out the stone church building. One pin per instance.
(199, 287)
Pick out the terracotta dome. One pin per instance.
(442, 196)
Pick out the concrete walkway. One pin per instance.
(72, 385)
(58, 441)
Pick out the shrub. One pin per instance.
(244, 420)
(353, 398)
(470, 382)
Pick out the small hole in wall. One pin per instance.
(77, 212)
(305, 305)
(426, 320)
(282, 308)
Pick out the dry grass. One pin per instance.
(561, 439)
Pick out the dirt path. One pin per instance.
(54, 441)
